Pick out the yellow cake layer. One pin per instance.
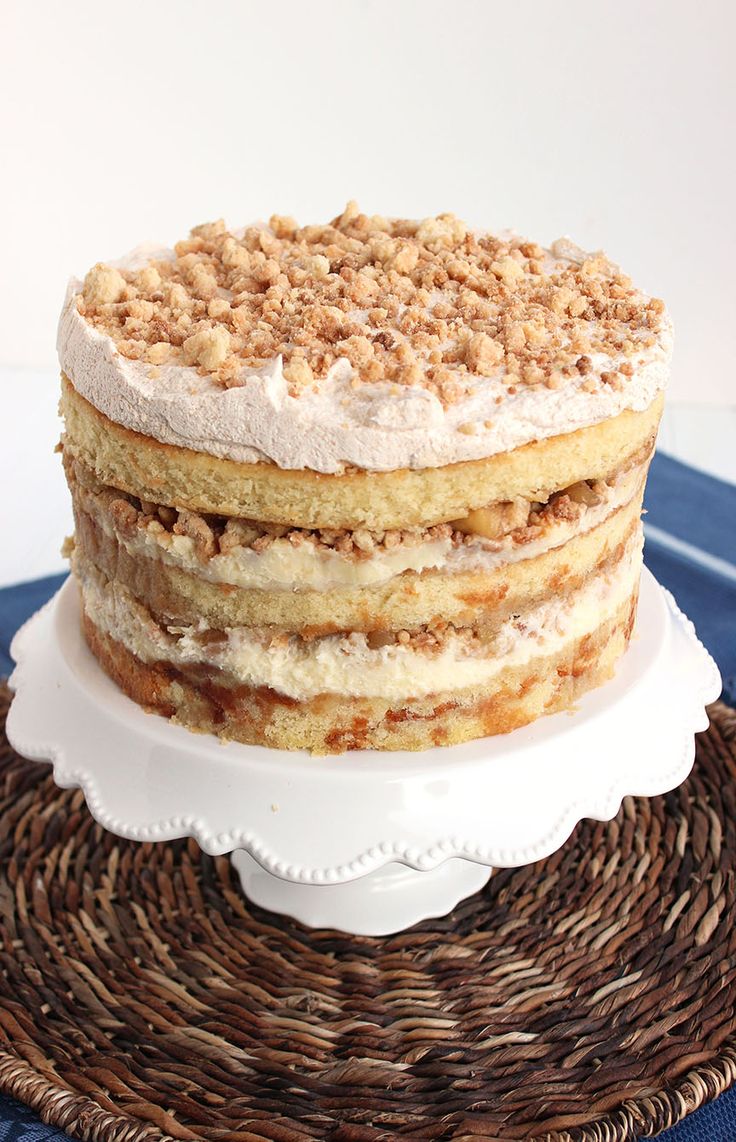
(179, 477)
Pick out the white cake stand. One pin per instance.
(365, 842)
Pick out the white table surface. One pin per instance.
(36, 513)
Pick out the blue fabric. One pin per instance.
(715, 1122)
(690, 530)
(18, 1122)
(17, 604)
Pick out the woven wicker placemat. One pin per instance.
(589, 996)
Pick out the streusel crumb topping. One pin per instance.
(428, 303)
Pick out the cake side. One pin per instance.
(517, 679)
(240, 574)
(183, 478)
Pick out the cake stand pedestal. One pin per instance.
(365, 842)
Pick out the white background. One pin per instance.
(610, 121)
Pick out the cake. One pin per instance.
(369, 484)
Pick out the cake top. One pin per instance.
(367, 325)
(426, 303)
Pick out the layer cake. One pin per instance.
(369, 484)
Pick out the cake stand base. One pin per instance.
(368, 843)
(388, 900)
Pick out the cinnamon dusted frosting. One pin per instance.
(381, 344)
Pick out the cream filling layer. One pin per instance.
(346, 664)
(307, 567)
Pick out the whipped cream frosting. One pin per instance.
(338, 424)
(347, 665)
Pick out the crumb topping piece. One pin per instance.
(429, 303)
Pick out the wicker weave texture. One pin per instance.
(591, 996)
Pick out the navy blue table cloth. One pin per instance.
(690, 529)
